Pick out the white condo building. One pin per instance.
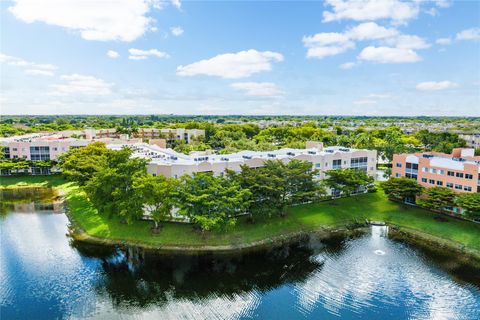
(169, 163)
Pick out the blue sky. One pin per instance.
(337, 57)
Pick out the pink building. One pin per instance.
(459, 171)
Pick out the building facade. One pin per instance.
(472, 140)
(459, 171)
(169, 163)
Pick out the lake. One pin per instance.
(44, 274)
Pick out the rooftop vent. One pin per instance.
(290, 154)
(312, 152)
(271, 155)
(427, 156)
(344, 149)
(247, 157)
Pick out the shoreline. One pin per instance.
(78, 234)
(410, 236)
(340, 217)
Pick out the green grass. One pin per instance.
(372, 206)
(12, 182)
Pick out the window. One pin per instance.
(458, 186)
(39, 153)
(451, 173)
(431, 181)
(399, 165)
(424, 169)
(468, 176)
(14, 149)
(449, 185)
(459, 175)
(337, 164)
(467, 188)
(413, 166)
(442, 172)
(433, 170)
(424, 180)
(439, 183)
(317, 165)
(398, 175)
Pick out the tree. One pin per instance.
(347, 181)
(111, 188)
(437, 198)
(80, 164)
(401, 188)
(471, 203)
(211, 202)
(158, 195)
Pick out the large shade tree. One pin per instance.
(401, 188)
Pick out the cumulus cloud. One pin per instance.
(388, 55)
(176, 3)
(408, 42)
(258, 89)
(368, 10)
(137, 54)
(436, 85)
(232, 65)
(444, 41)
(327, 44)
(469, 34)
(370, 31)
(112, 54)
(31, 68)
(176, 31)
(82, 84)
(124, 20)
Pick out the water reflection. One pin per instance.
(46, 275)
(25, 200)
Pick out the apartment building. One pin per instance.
(47, 146)
(472, 140)
(169, 163)
(459, 171)
(169, 135)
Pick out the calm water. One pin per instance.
(46, 275)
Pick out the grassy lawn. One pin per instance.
(51, 181)
(373, 206)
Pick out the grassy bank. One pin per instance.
(303, 218)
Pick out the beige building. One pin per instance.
(169, 163)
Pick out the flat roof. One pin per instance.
(169, 156)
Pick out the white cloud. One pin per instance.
(469, 34)
(40, 72)
(177, 4)
(81, 84)
(444, 41)
(322, 52)
(370, 31)
(326, 44)
(32, 68)
(124, 20)
(364, 102)
(176, 31)
(436, 85)
(232, 65)
(137, 54)
(388, 55)
(112, 54)
(443, 3)
(347, 65)
(258, 89)
(398, 11)
(408, 42)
